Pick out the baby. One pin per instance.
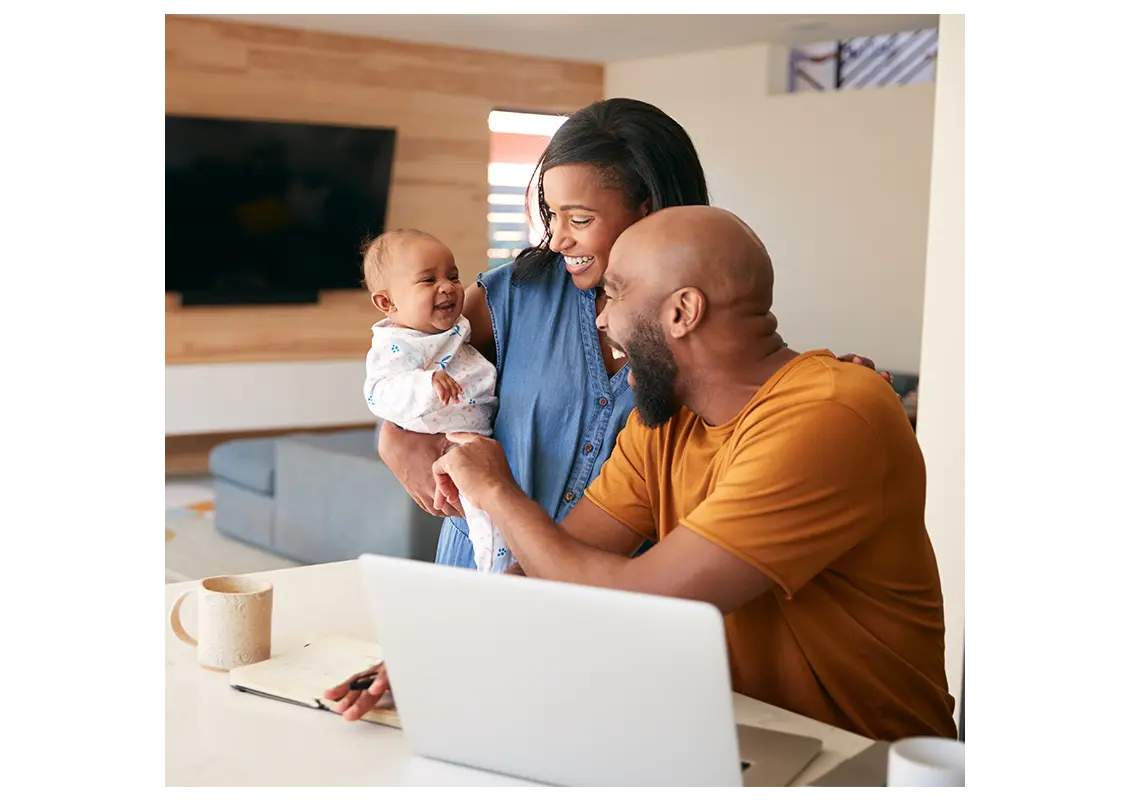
(422, 373)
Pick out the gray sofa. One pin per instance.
(317, 498)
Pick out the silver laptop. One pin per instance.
(552, 682)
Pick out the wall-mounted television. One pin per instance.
(270, 212)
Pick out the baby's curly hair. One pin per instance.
(377, 252)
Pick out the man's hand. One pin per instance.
(447, 388)
(477, 468)
(353, 704)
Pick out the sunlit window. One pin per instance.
(866, 62)
(517, 141)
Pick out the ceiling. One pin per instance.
(598, 37)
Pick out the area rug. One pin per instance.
(194, 549)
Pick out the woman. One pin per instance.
(563, 395)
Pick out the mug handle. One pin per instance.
(174, 620)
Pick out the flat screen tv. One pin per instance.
(270, 212)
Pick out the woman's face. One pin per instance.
(585, 218)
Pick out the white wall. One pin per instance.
(836, 184)
(941, 403)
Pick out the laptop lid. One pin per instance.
(553, 682)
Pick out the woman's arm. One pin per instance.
(482, 330)
(410, 456)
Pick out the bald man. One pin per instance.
(785, 488)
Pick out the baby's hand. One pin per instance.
(447, 388)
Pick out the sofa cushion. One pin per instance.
(244, 514)
(360, 443)
(249, 463)
(904, 383)
(335, 499)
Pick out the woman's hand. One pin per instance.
(865, 362)
(353, 704)
(410, 456)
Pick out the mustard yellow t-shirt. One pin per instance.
(819, 483)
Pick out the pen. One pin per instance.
(362, 682)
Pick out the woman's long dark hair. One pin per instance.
(639, 150)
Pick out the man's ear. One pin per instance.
(646, 207)
(383, 302)
(686, 312)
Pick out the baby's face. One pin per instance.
(424, 292)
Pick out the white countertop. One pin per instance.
(216, 736)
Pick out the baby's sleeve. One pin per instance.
(398, 382)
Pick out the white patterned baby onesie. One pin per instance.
(398, 389)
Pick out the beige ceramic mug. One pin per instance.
(234, 620)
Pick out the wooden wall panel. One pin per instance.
(437, 98)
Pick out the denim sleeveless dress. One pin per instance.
(559, 412)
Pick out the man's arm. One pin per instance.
(547, 550)
(791, 502)
(589, 524)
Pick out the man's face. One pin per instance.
(630, 320)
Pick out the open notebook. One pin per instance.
(303, 676)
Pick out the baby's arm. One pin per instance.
(447, 388)
(399, 386)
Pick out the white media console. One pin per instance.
(211, 398)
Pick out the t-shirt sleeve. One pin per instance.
(620, 490)
(798, 493)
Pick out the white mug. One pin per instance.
(926, 761)
(234, 618)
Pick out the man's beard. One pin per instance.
(653, 368)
